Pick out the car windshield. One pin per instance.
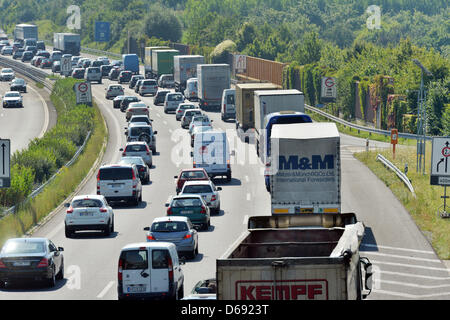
(230, 99)
(7, 71)
(169, 226)
(191, 113)
(132, 160)
(186, 202)
(23, 247)
(193, 175)
(140, 130)
(175, 97)
(87, 203)
(12, 94)
(197, 189)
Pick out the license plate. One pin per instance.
(136, 289)
(116, 185)
(86, 214)
(21, 263)
(186, 211)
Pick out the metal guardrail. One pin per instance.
(399, 173)
(362, 128)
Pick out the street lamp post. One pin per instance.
(421, 116)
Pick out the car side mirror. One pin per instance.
(192, 154)
(121, 149)
(182, 261)
(175, 177)
(60, 249)
(147, 229)
(167, 205)
(211, 120)
(155, 132)
(219, 188)
(67, 205)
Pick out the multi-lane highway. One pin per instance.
(405, 264)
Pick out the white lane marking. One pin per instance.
(249, 196)
(55, 231)
(245, 219)
(408, 265)
(247, 179)
(158, 115)
(46, 113)
(402, 257)
(170, 130)
(410, 296)
(105, 290)
(165, 122)
(395, 248)
(414, 275)
(414, 285)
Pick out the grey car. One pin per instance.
(187, 117)
(178, 230)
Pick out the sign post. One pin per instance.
(5, 163)
(440, 168)
(394, 140)
(83, 93)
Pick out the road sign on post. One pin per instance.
(66, 66)
(5, 163)
(102, 31)
(394, 140)
(83, 93)
(329, 89)
(440, 166)
(240, 63)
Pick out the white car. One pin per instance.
(104, 60)
(7, 74)
(138, 149)
(182, 107)
(202, 121)
(12, 99)
(207, 190)
(113, 91)
(89, 212)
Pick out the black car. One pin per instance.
(18, 84)
(56, 67)
(40, 45)
(160, 97)
(27, 56)
(18, 53)
(114, 73)
(105, 69)
(78, 73)
(134, 80)
(31, 259)
(144, 171)
(125, 76)
(126, 101)
(117, 101)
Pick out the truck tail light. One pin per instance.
(169, 211)
(2, 265)
(170, 263)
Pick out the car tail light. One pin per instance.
(194, 164)
(188, 236)
(133, 177)
(228, 164)
(43, 263)
(70, 210)
(124, 154)
(150, 238)
(142, 169)
(170, 263)
(169, 211)
(203, 210)
(2, 265)
(213, 198)
(103, 210)
(119, 273)
(148, 151)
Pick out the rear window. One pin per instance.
(140, 119)
(186, 202)
(193, 175)
(160, 259)
(139, 131)
(149, 83)
(136, 148)
(175, 97)
(169, 226)
(230, 99)
(191, 113)
(132, 160)
(87, 203)
(23, 247)
(197, 189)
(116, 174)
(134, 260)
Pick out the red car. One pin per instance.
(195, 174)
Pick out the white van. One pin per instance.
(191, 91)
(150, 270)
(228, 106)
(212, 153)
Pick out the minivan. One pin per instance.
(119, 183)
(191, 91)
(93, 74)
(150, 270)
(212, 153)
(228, 106)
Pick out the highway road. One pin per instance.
(406, 265)
(22, 125)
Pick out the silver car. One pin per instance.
(207, 190)
(172, 101)
(182, 107)
(187, 117)
(148, 86)
(138, 149)
(178, 230)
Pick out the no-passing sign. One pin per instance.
(83, 93)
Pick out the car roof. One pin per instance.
(192, 169)
(88, 196)
(139, 124)
(135, 142)
(156, 245)
(28, 239)
(117, 165)
(187, 195)
(198, 182)
(132, 158)
(174, 218)
(137, 105)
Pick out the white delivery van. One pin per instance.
(212, 153)
(150, 270)
(228, 107)
(191, 91)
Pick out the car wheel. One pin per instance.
(193, 253)
(181, 292)
(2, 284)
(51, 282)
(229, 177)
(107, 230)
(60, 274)
(69, 233)
(112, 226)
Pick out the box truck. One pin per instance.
(212, 80)
(67, 43)
(162, 62)
(148, 60)
(25, 31)
(184, 68)
(296, 257)
(304, 170)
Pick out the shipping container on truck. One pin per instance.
(148, 60)
(184, 68)
(212, 80)
(162, 61)
(67, 43)
(245, 110)
(25, 31)
(296, 257)
(267, 102)
(305, 168)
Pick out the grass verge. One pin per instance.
(423, 208)
(60, 188)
